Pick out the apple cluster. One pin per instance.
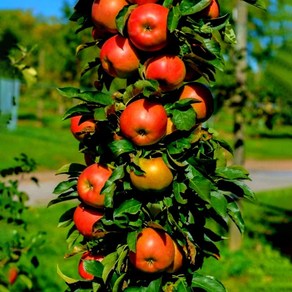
(151, 166)
(144, 121)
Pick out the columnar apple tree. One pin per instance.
(155, 177)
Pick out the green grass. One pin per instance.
(54, 249)
(263, 263)
(50, 147)
(259, 265)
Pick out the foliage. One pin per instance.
(19, 248)
(204, 188)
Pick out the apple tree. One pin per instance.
(157, 185)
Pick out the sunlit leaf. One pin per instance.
(207, 283)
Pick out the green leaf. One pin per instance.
(247, 192)
(131, 207)
(118, 283)
(67, 279)
(178, 189)
(120, 147)
(132, 239)
(219, 203)
(207, 283)
(87, 96)
(184, 120)
(232, 172)
(100, 114)
(154, 286)
(189, 7)
(109, 263)
(173, 18)
(93, 267)
(71, 169)
(199, 183)
(66, 217)
(64, 186)
(235, 214)
(182, 285)
(77, 110)
(122, 17)
(122, 254)
(257, 3)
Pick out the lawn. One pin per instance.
(260, 265)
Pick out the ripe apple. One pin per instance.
(12, 275)
(82, 126)
(119, 57)
(84, 218)
(143, 122)
(147, 27)
(200, 92)
(141, 2)
(90, 183)
(211, 11)
(98, 32)
(104, 13)
(154, 251)
(156, 177)
(87, 256)
(177, 260)
(168, 70)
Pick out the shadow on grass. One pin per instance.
(275, 224)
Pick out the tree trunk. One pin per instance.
(238, 101)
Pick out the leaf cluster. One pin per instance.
(205, 187)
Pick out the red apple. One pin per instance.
(205, 106)
(82, 126)
(84, 218)
(168, 70)
(119, 57)
(90, 183)
(147, 27)
(87, 256)
(143, 122)
(141, 2)
(104, 13)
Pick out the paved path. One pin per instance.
(264, 175)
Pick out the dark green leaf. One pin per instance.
(219, 203)
(132, 239)
(247, 192)
(184, 120)
(174, 16)
(131, 206)
(189, 7)
(207, 283)
(178, 189)
(88, 96)
(235, 214)
(199, 183)
(122, 17)
(232, 172)
(93, 267)
(71, 169)
(257, 3)
(109, 263)
(64, 186)
(66, 217)
(77, 110)
(118, 283)
(120, 147)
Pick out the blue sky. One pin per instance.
(38, 7)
